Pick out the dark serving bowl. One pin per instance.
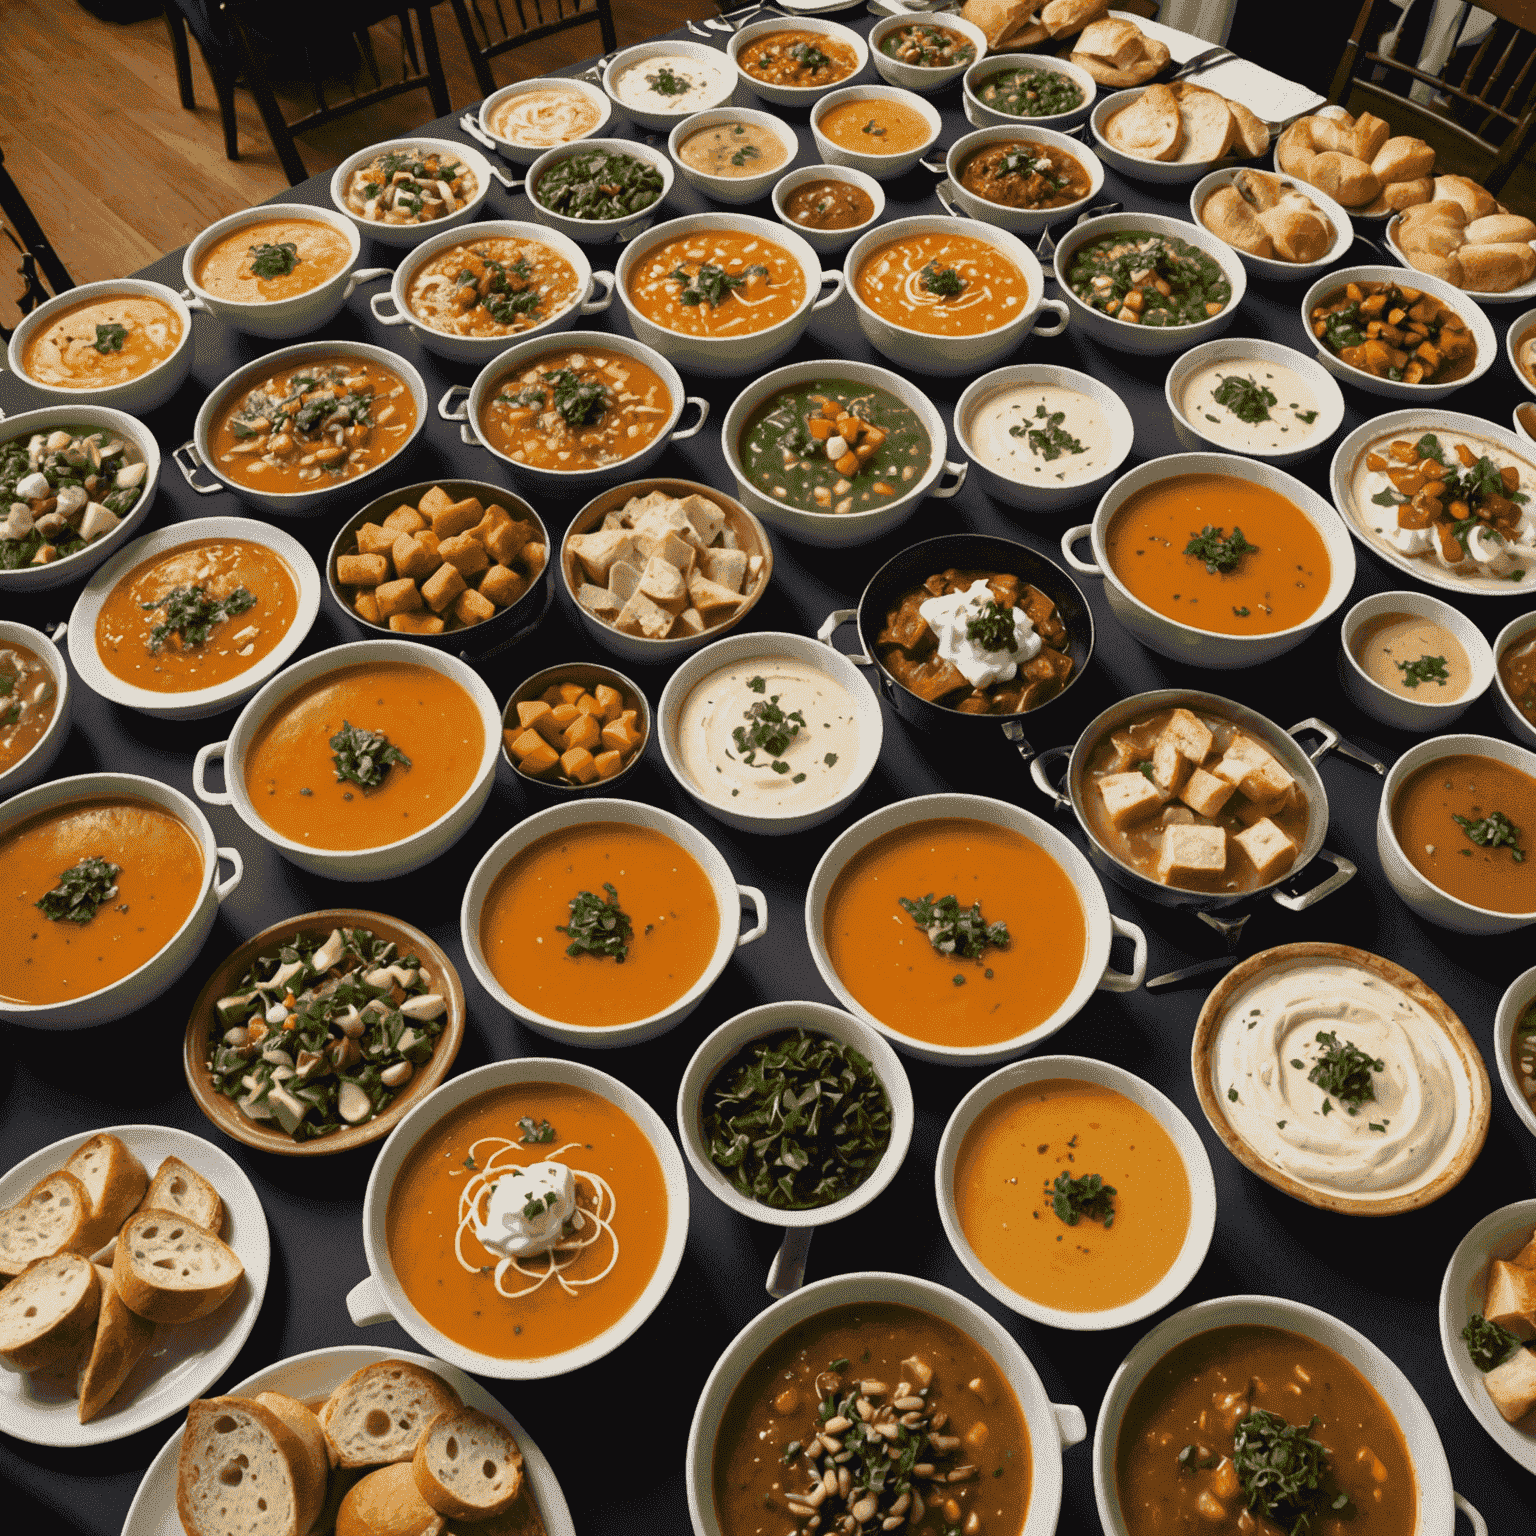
(589, 674)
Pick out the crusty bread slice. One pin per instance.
(47, 1312)
(467, 1465)
(377, 1414)
(520, 1518)
(170, 1270)
(114, 1179)
(121, 1338)
(242, 1472)
(387, 1503)
(302, 1421)
(184, 1191)
(51, 1218)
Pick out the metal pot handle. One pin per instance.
(187, 459)
(1040, 772)
(1474, 1519)
(833, 622)
(1131, 980)
(942, 492)
(1343, 873)
(1334, 742)
(1014, 732)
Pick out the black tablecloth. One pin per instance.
(1381, 1276)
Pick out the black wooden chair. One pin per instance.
(320, 44)
(43, 275)
(493, 27)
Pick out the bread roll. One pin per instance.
(1209, 129)
(48, 1311)
(1154, 57)
(1022, 38)
(1435, 229)
(1151, 128)
(1259, 189)
(306, 1429)
(1113, 39)
(1229, 218)
(242, 1469)
(997, 18)
(1344, 178)
(1500, 227)
(1496, 268)
(1371, 134)
(387, 1503)
(1061, 18)
(467, 1465)
(1476, 200)
(1299, 231)
(1403, 158)
(121, 1339)
(1252, 130)
(1335, 133)
(1295, 153)
(1446, 267)
(1399, 195)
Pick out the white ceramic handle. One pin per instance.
(830, 625)
(1070, 1423)
(213, 752)
(1063, 318)
(1474, 1519)
(942, 492)
(394, 317)
(837, 281)
(365, 275)
(366, 1305)
(230, 856)
(603, 280)
(454, 406)
(191, 300)
(787, 1272)
(1126, 981)
(698, 426)
(759, 904)
(1076, 536)
(511, 183)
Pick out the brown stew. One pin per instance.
(1020, 174)
(1517, 670)
(829, 204)
(1393, 332)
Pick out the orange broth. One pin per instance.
(227, 270)
(903, 282)
(103, 342)
(763, 299)
(881, 126)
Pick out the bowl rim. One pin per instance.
(795, 95)
(358, 158)
(876, 90)
(943, 73)
(551, 674)
(1523, 326)
(1518, 997)
(594, 93)
(257, 214)
(792, 181)
(655, 47)
(1479, 652)
(15, 632)
(1464, 1049)
(1271, 266)
(696, 122)
(994, 63)
(969, 144)
(603, 229)
(1517, 628)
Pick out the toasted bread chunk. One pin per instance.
(1512, 1386)
(725, 567)
(170, 1270)
(1526, 1258)
(53, 1217)
(387, 1503)
(1189, 734)
(710, 598)
(184, 1192)
(442, 587)
(305, 1424)
(434, 501)
(1129, 797)
(467, 1465)
(597, 552)
(121, 1338)
(640, 616)
(374, 540)
(1205, 794)
(115, 1181)
(405, 520)
(706, 517)
(378, 1413)
(456, 517)
(663, 584)
(48, 1311)
(1269, 850)
(1191, 853)
(241, 1469)
(470, 608)
(598, 601)
(1510, 1300)
(502, 586)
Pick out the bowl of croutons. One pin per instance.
(458, 564)
(575, 726)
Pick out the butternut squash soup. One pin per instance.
(884, 125)
(717, 282)
(1468, 825)
(29, 698)
(197, 615)
(528, 1220)
(943, 285)
(499, 285)
(1219, 554)
(103, 342)
(600, 925)
(956, 932)
(364, 756)
(1072, 1195)
(274, 259)
(95, 888)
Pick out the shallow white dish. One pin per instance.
(600, 231)
(198, 702)
(1518, 997)
(1521, 327)
(1515, 723)
(734, 189)
(43, 753)
(183, 1360)
(660, 122)
(828, 242)
(796, 95)
(980, 115)
(526, 154)
(923, 78)
(316, 1375)
(1516, 295)
(1166, 173)
(1271, 268)
(1020, 221)
(414, 234)
(881, 167)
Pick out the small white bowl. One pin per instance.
(136, 396)
(1524, 419)
(661, 121)
(1144, 340)
(413, 234)
(75, 567)
(1249, 349)
(702, 664)
(354, 864)
(828, 242)
(1043, 496)
(796, 95)
(1518, 726)
(734, 189)
(923, 78)
(196, 703)
(980, 115)
(1165, 173)
(1183, 642)
(575, 813)
(1271, 268)
(159, 973)
(41, 756)
(1416, 710)
(600, 231)
(393, 309)
(1192, 1154)
(1426, 899)
(381, 1298)
(526, 154)
(1521, 327)
(1517, 999)
(881, 167)
(1020, 221)
(1410, 394)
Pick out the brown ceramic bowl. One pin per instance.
(225, 1113)
(1469, 1124)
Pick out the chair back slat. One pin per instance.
(494, 27)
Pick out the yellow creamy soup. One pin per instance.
(103, 342)
(275, 259)
(878, 127)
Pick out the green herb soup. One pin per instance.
(598, 184)
(1030, 92)
(1126, 275)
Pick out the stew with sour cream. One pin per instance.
(271, 260)
(542, 118)
(718, 283)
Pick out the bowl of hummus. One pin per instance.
(1341, 1079)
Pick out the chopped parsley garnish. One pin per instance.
(1495, 830)
(1388, 498)
(745, 153)
(1089, 1196)
(1221, 555)
(1344, 1071)
(364, 757)
(1051, 440)
(768, 729)
(806, 55)
(993, 628)
(665, 83)
(1489, 1344)
(1283, 1471)
(712, 284)
(274, 260)
(1247, 400)
(873, 129)
(81, 892)
(598, 927)
(192, 614)
(110, 338)
(1428, 447)
(953, 929)
(1146, 771)
(536, 1135)
(1427, 669)
(535, 1206)
(579, 401)
(942, 282)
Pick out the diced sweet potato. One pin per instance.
(442, 587)
(569, 692)
(584, 731)
(503, 586)
(456, 517)
(563, 715)
(588, 705)
(362, 570)
(416, 624)
(400, 596)
(609, 702)
(531, 752)
(620, 736)
(608, 764)
(404, 520)
(578, 765)
(531, 710)
(470, 608)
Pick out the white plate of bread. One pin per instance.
(135, 1261)
(1463, 236)
(1176, 133)
(1284, 230)
(1017, 26)
(353, 1440)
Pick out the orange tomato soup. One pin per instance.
(29, 698)
(943, 285)
(660, 886)
(291, 771)
(133, 635)
(103, 342)
(1016, 1149)
(882, 126)
(1278, 582)
(430, 1240)
(273, 259)
(160, 878)
(892, 968)
(717, 282)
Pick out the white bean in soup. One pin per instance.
(1251, 406)
(676, 84)
(542, 118)
(734, 150)
(1041, 434)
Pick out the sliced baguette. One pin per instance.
(114, 1179)
(387, 1503)
(302, 1421)
(243, 1472)
(184, 1191)
(47, 1312)
(53, 1217)
(121, 1338)
(521, 1518)
(377, 1414)
(467, 1465)
(170, 1270)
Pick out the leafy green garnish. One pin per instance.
(712, 284)
(535, 1206)
(1089, 1196)
(768, 729)
(1489, 1344)
(745, 153)
(598, 927)
(81, 892)
(192, 614)
(1388, 498)
(665, 83)
(1247, 399)
(873, 129)
(535, 1134)
(1051, 440)
(1344, 1070)
(953, 929)
(993, 628)
(1428, 447)
(364, 757)
(1427, 669)
(579, 401)
(110, 338)
(1282, 1471)
(942, 282)
(1495, 830)
(274, 260)
(1219, 554)
(806, 55)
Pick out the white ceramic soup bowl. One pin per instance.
(393, 308)
(600, 231)
(827, 242)
(1437, 1503)
(163, 970)
(353, 864)
(728, 899)
(795, 95)
(1521, 329)
(949, 355)
(1458, 302)
(1417, 709)
(1516, 632)
(1183, 642)
(466, 405)
(279, 318)
(381, 1298)
(195, 703)
(1426, 899)
(151, 388)
(827, 529)
(711, 59)
(1523, 418)
(526, 154)
(1271, 268)
(980, 115)
(1192, 1154)
(923, 78)
(733, 189)
(1100, 923)
(42, 754)
(1051, 1426)
(1020, 221)
(727, 356)
(1517, 999)
(59, 573)
(883, 167)
(413, 234)
(868, 722)
(1149, 340)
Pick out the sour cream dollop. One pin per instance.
(509, 1229)
(949, 616)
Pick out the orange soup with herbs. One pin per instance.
(943, 285)
(29, 698)
(103, 342)
(882, 126)
(273, 259)
(717, 282)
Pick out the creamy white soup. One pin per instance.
(676, 84)
(1043, 434)
(736, 150)
(545, 117)
(1252, 406)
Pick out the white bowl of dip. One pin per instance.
(529, 117)
(883, 167)
(711, 695)
(35, 762)
(1518, 997)
(1517, 632)
(706, 77)
(751, 186)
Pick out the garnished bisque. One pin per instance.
(29, 697)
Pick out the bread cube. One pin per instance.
(583, 731)
(1126, 753)
(470, 608)
(599, 601)
(367, 605)
(397, 597)
(434, 501)
(374, 540)
(1510, 1300)
(1189, 735)
(442, 587)
(1205, 794)
(1269, 850)
(505, 541)
(416, 624)
(620, 736)
(1192, 853)
(495, 516)
(361, 570)
(608, 764)
(598, 552)
(1129, 797)
(588, 705)
(690, 622)
(502, 586)
(1269, 786)
(531, 557)
(578, 765)
(706, 517)
(531, 710)
(466, 553)
(457, 517)
(1526, 1258)
(1170, 766)
(713, 601)
(427, 539)
(676, 552)
(1512, 1386)
(413, 558)
(404, 520)
(624, 580)
(725, 567)
(664, 585)
(610, 702)
(640, 616)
